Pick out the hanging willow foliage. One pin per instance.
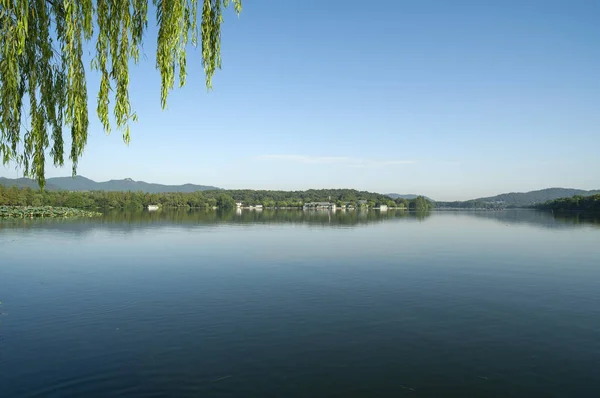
(42, 72)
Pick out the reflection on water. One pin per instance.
(300, 304)
(545, 219)
(196, 218)
(191, 218)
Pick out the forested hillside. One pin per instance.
(533, 197)
(516, 199)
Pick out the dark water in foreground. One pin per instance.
(292, 304)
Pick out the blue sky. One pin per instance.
(451, 99)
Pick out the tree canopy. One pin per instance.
(575, 203)
(43, 88)
(224, 199)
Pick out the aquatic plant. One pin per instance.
(44, 212)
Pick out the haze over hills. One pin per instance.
(80, 183)
(25, 183)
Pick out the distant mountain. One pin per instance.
(24, 183)
(80, 183)
(404, 196)
(533, 197)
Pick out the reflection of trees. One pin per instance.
(343, 218)
(578, 218)
(422, 214)
(124, 222)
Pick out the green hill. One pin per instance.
(515, 199)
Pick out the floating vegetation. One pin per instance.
(44, 212)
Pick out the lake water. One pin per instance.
(293, 304)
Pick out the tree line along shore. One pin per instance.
(222, 199)
(13, 197)
(577, 203)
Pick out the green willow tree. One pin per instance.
(43, 89)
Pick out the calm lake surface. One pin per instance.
(297, 304)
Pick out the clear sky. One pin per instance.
(450, 99)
